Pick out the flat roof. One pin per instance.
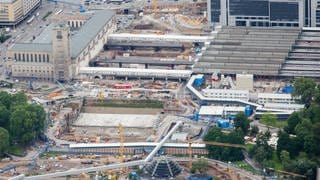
(135, 72)
(89, 30)
(135, 144)
(225, 91)
(218, 110)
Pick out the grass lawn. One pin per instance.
(131, 103)
(275, 162)
(244, 165)
(276, 123)
(248, 147)
(16, 150)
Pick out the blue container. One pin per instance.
(223, 123)
(196, 116)
(248, 111)
(198, 81)
(288, 89)
(199, 177)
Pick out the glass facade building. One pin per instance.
(263, 13)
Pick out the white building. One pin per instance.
(220, 111)
(244, 81)
(226, 94)
(264, 98)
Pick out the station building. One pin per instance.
(57, 53)
(262, 13)
(13, 12)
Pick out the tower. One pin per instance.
(61, 53)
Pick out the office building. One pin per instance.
(261, 13)
(13, 12)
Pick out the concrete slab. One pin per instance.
(113, 120)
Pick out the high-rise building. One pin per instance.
(14, 11)
(261, 13)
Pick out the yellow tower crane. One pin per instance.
(121, 149)
(155, 7)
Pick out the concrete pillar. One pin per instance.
(152, 78)
(126, 78)
(113, 77)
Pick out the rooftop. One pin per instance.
(79, 41)
(34, 47)
(89, 30)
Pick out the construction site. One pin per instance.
(143, 103)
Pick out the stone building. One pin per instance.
(56, 54)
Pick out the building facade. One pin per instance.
(261, 13)
(56, 55)
(13, 12)
(226, 94)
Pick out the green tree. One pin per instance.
(285, 158)
(19, 98)
(254, 130)
(201, 166)
(225, 153)
(291, 144)
(241, 121)
(4, 116)
(305, 88)
(270, 118)
(262, 151)
(5, 99)
(4, 141)
(292, 121)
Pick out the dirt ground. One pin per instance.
(110, 110)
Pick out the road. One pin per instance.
(264, 128)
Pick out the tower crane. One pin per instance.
(121, 149)
(155, 7)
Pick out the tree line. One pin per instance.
(20, 122)
(298, 146)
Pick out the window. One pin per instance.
(23, 57)
(19, 57)
(35, 58)
(59, 35)
(39, 57)
(15, 56)
(43, 58)
(31, 57)
(27, 57)
(47, 57)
